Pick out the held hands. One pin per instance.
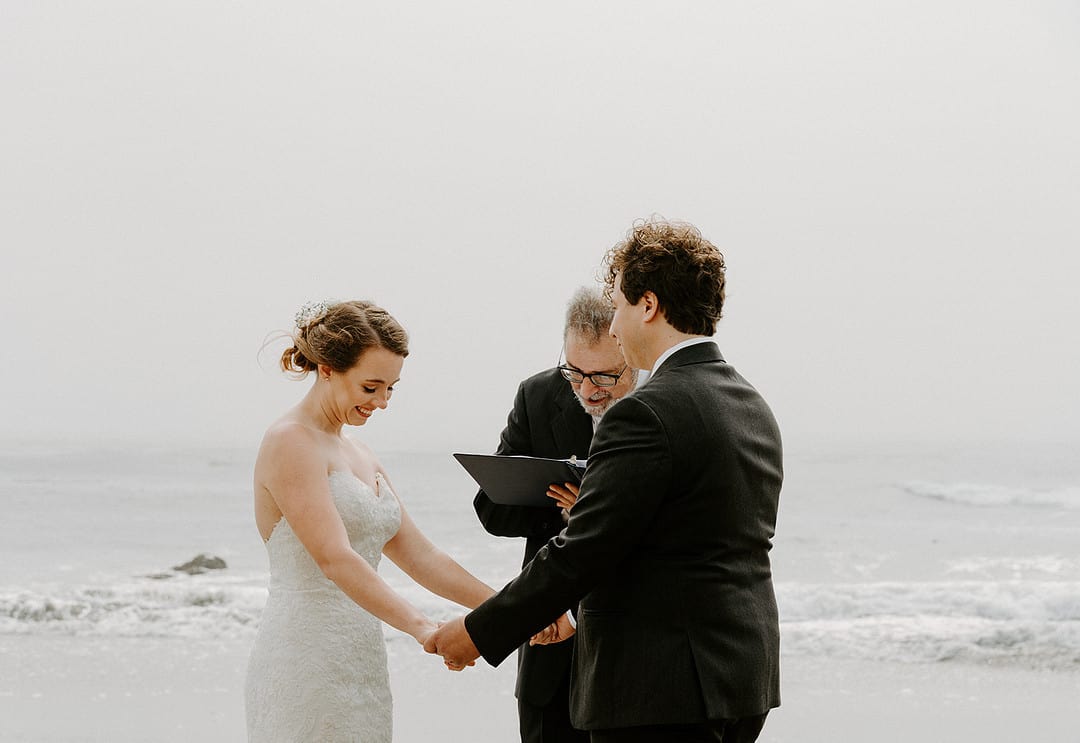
(565, 495)
(424, 637)
(560, 630)
(424, 631)
(451, 640)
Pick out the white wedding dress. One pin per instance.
(318, 668)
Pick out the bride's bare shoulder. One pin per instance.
(288, 440)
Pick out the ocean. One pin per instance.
(945, 556)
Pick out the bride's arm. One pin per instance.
(294, 472)
(432, 568)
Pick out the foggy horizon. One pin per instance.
(894, 189)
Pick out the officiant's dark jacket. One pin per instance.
(667, 548)
(546, 421)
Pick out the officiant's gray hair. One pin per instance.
(588, 315)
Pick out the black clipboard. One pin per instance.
(514, 480)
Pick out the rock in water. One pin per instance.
(200, 564)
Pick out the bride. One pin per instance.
(327, 512)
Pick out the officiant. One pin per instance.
(554, 415)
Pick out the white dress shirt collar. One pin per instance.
(678, 347)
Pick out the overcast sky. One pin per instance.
(895, 185)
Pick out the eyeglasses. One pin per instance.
(576, 376)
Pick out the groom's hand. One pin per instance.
(451, 640)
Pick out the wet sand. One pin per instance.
(65, 689)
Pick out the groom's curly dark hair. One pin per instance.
(673, 261)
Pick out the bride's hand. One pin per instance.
(558, 631)
(425, 631)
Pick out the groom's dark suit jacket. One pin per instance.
(668, 550)
(546, 421)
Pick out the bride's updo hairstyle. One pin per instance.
(336, 334)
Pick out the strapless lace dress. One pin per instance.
(318, 668)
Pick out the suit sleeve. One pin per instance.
(515, 521)
(626, 482)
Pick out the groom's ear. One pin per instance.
(650, 306)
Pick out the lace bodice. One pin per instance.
(371, 518)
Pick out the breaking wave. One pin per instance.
(1030, 623)
(183, 607)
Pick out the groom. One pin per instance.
(667, 547)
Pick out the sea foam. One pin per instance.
(1033, 623)
(182, 607)
(1030, 623)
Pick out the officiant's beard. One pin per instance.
(597, 411)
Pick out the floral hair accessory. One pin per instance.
(310, 313)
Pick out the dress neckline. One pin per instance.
(379, 480)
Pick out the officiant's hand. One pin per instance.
(451, 640)
(565, 495)
(560, 630)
